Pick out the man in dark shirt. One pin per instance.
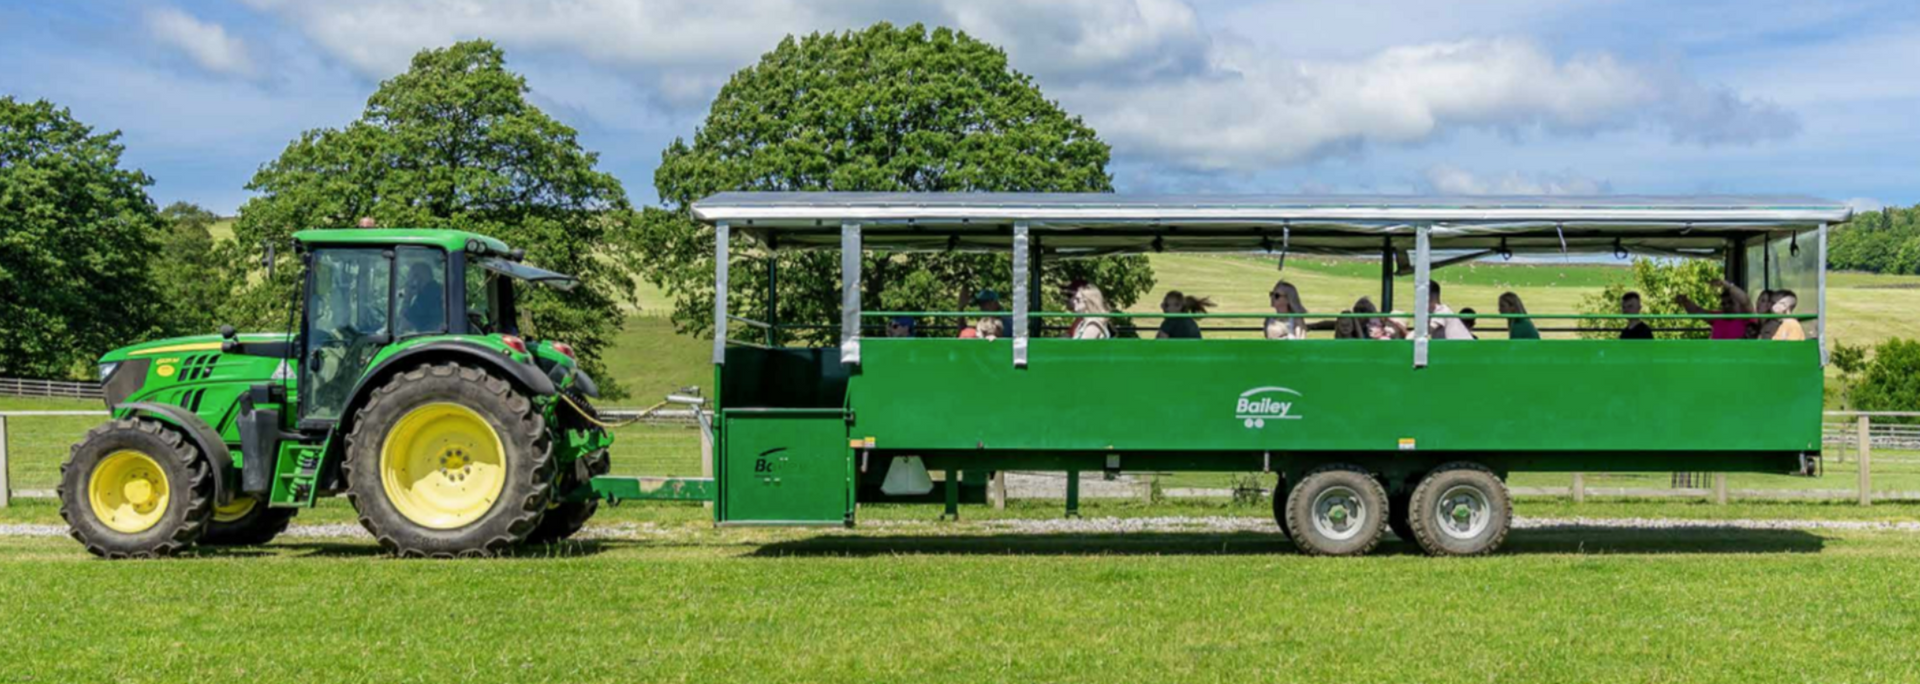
(1636, 329)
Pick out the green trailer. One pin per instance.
(1416, 434)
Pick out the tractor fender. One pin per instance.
(525, 377)
(203, 436)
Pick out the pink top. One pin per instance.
(1728, 328)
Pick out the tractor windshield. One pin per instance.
(491, 300)
(517, 270)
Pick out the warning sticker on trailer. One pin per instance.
(1406, 444)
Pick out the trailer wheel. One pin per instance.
(1280, 491)
(1460, 509)
(246, 521)
(1397, 507)
(447, 460)
(1337, 510)
(135, 488)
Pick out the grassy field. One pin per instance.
(971, 602)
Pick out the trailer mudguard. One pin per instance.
(203, 436)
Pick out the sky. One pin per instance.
(1307, 96)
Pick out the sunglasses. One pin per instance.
(1275, 295)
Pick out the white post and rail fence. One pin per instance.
(1859, 433)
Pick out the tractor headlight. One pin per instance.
(106, 370)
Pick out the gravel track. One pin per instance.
(1119, 526)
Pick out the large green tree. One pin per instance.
(453, 143)
(1660, 283)
(192, 271)
(882, 109)
(76, 231)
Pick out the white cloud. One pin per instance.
(1447, 179)
(206, 43)
(1148, 74)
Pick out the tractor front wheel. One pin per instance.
(246, 521)
(447, 460)
(135, 488)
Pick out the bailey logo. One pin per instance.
(1261, 404)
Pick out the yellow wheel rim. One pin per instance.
(128, 491)
(443, 466)
(234, 510)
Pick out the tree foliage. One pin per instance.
(882, 109)
(453, 143)
(1891, 381)
(1660, 283)
(193, 272)
(1877, 242)
(76, 231)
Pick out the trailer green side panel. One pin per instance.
(784, 467)
(1340, 395)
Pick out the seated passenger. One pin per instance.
(1286, 300)
(1636, 329)
(1473, 324)
(1758, 329)
(1787, 328)
(1733, 300)
(1088, 299)
(1448, 328)
(900, 326)
(989, 301)
(987, 328)
(1181, 328)
(1517, 328)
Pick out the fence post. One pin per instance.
(997, 490)
(1720, 488)
(6, 492)
(1579, 487)
(1866, 463)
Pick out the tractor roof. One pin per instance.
(452, 240)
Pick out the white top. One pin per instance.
(1448, 328)
(1286, 329)
(1090, 329)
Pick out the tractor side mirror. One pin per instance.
(227, 342)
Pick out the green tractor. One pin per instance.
(405, 386)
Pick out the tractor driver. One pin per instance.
(423, 301)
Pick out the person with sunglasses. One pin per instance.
(1286, 300)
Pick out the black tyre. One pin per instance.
(1337, 510)
(1397, 516)
(446, 460)
(1280, 506)
(246, 521)
(135, 488)
(566, 518)
(1460, 509)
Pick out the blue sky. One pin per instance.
(1399, 96)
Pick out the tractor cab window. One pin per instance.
(348, 299)
(421, 293)
(489, 298)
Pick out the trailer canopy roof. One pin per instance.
(1100, 223)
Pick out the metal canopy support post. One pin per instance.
(722, 234)
(1422, 295)
(1820, 328)
(773, 294)
(850, 293)
(1386, 276)
(1021, 291)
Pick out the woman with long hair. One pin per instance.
(1182, 328)
(1286, 300)
(1088, 299)
(1517, 328)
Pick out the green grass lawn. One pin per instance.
(969, 603)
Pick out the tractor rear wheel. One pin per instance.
(135, 488)
(246, 521)
(1337, 510)
(566, 518)
(447, 460)
(1460, 509)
